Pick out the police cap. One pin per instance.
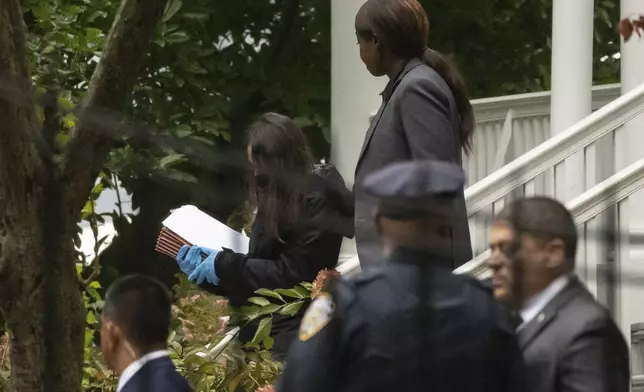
(413, 189)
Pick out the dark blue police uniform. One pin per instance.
(410, 324)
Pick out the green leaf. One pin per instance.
(292, 293)
(269, 293)
(305, 293)
(292, 308)
(203, 140)
(196, 15)
(172, 159)
(176, 347)
(268, 342)
(177, 37)
(307, 285)
(196, 68)
(69, 120)
(259, 301)
(263, 330)
(171, 9)
(91, 318)
(176, 175)
(95, 284)
(268, 309)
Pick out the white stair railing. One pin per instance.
(584, 208)
(553, 151)
(527, 174)
(528, 126)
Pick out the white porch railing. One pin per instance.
(509, 126)
(534, 172)
(584, 209)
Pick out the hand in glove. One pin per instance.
(189, 258)
(206, 271)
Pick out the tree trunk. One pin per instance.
(40, 203)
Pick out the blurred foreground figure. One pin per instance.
(410, 324)
(569, 341)
(134, 330)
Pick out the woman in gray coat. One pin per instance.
(425, 112)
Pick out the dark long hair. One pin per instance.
(402, 28)
(281, 161)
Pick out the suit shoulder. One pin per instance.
(425, 78)
(585, 309)
(158, 375)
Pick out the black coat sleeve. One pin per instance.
(310, 249)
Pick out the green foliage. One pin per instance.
(263, 308)
(193, 337)
(504, 46)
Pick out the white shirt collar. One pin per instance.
(135, 366)
(537, 303)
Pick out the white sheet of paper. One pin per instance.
(199, 228)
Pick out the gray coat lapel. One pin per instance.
(528, 333)
(386, 96)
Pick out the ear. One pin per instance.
(107, 336)
(376, 42)
(557, 251)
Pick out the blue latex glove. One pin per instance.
(206, 271)
(189, 258)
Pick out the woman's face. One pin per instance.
(370, 54)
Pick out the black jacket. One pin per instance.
(408, 325)
(313, 244)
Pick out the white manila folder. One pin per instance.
(199, 228)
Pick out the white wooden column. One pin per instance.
(354, 93)
(628, 148)
(571, 81)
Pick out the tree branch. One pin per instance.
(109, 91)
(21, 163)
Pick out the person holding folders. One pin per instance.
(410, 324)
(425, 112)
(303, 212)
(569, 341)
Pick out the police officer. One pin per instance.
(410, 324)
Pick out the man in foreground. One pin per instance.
(409, 324)
(569, 341)
(135, 327)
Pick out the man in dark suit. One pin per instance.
(134, 330)
(569, 341)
